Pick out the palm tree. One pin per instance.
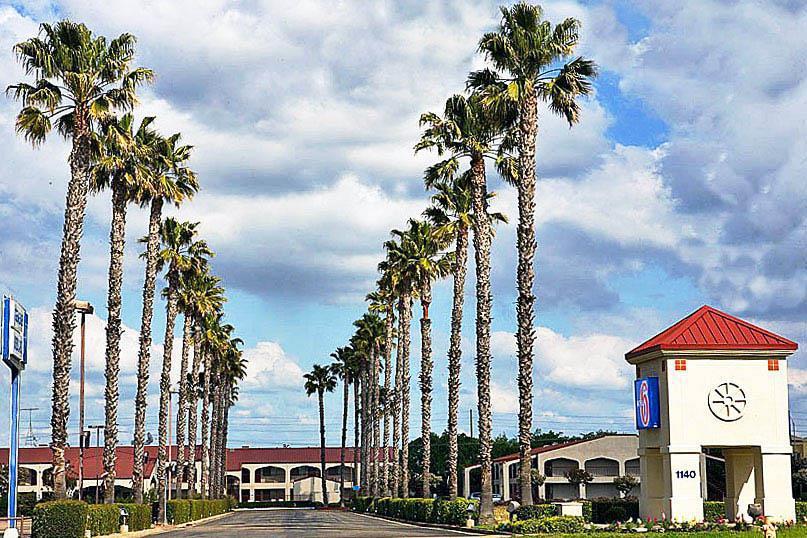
(206, 298)
(452, 213)
(525, 52)
(171, 181)
(79, 79)
(233, 370)
(370, 331)
(181, 252)
(121, 158)
(425, 261)
(401, 283)
(469, 129)
(344, 368)
(321, 380)
(383, 300)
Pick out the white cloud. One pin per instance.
(268, 367)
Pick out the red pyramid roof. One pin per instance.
(709, 328)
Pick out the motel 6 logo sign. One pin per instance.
(647, 403)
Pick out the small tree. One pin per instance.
(578, 476)
(537, 480)
(625, 484)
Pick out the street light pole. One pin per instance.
(84, 308)
(168, 467)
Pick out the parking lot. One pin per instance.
(304, 522)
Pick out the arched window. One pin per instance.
(632, 467)
(270, 475)
(602, 467)
(558, 467)
(332, 473)
(304, 471)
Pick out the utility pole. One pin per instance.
(97, 446)
(168, 463)
(84, 308)
(471, 420)
(30, 438)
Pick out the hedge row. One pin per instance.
(103, 519)
(139, 516)
(613, 510)
(413, 509)
(185, 510)
(546, 525)
(59, 519)
(713, 510)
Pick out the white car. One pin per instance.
(476, 496)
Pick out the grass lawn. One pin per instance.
(795, 532)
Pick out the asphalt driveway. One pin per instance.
(308, 523)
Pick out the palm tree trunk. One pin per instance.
(426, 368)
(404, 343)
(144, 355)
(375, 417)
(389, 320)
(214, 430)
(222, 439)
(365, 429)
(322, 445)
(182, 411)
(396, 402)
(482, 241)
(64, 319)
(193, 409)
(224, 434)
(455, 357)
(205, 427)
(525, 309)
(117, 240)
(357, 475)
(345, 401)
(165, 388)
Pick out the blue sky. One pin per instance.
(682, 185)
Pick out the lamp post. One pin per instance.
(168, 463)
(84, 308)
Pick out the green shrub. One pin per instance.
(549, 525)
(103, 519)
(362, 504)
(714, 510)
(450, 512)
(801, 511)
(613, 510)
(535, 511)
(178, 511)
(139, 515)
(59, 519)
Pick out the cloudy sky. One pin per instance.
(683, 185)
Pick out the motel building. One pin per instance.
(253, 474)
(605, 458)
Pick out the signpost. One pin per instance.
(15, 356)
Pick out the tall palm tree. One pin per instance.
(207, 298)
(370, 330)
(469, 129)
(425, 261)
(321, 380)
(79, 79)
(452, 213)
(526, 52)
(121, 164)
(344, 368)
(383, 300)
(216, 335)
(401, 282)
(181, 252)
(171, 181)
(233, 370)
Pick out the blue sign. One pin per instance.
(645, 392)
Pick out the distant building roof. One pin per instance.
(710, 329)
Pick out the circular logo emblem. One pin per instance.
(727, 402)
(644, 404)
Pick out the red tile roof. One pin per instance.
(94, 465)
(543, 449)
(710, 329)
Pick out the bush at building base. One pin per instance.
(59, 519)
(548, 525)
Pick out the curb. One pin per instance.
(472, 530)
(160, 529)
